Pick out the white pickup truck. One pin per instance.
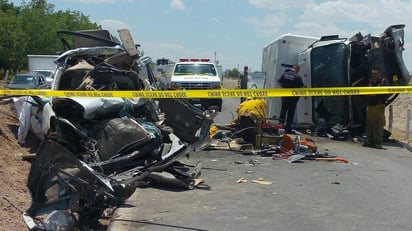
(197, 74)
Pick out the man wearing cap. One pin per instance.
(289, 79)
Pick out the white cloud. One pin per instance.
(167, 46)
(98, 1)
(113, 25)
(177, 5)
(159, 50)
(342, 16)
(173, 51)
(270, 25)
(316, 29)
(326, 17)
(278, 4)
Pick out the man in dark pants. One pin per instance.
(243, 81)
(289, 79)
(375, 114)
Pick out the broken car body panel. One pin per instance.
(96, 151)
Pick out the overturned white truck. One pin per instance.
(331, 61)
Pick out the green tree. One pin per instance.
(36, 17)
(13, 41)
(234, 72)
(5, 6)
(31, 29)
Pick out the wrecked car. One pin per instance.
(96, 151)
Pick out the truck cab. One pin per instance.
(331, 61)
(197, 74)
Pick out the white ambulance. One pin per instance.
(197, 74)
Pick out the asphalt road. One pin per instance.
(372, 192)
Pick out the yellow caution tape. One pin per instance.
(221, 93)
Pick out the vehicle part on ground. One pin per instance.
(178, 176)
(95, 152)
(304, 145)
(298, 157)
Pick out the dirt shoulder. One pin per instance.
(400, 107)
(15, 197)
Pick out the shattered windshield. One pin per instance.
(329, 69)
(329, 66)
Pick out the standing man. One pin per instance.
(243, 81)
(375, 114)
(289, 79)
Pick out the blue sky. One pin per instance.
(237, 30)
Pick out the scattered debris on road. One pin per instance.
(262, 181)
